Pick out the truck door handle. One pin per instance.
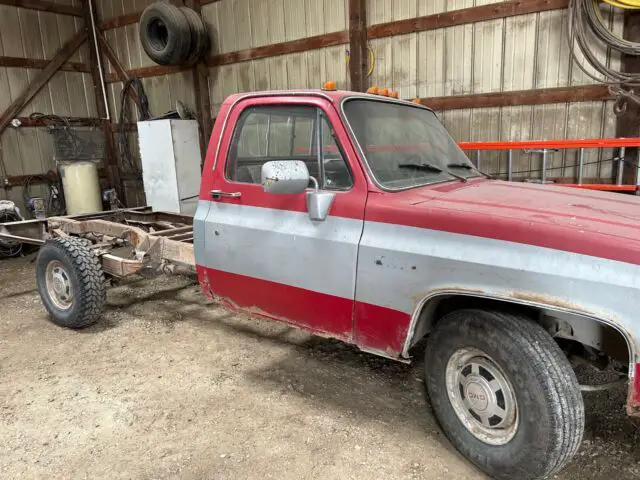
(217, 194)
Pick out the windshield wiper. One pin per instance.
(421, 166)
(430, 168)
(467, 166)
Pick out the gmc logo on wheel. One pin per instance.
(477, 396)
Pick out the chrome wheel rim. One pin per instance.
(59, 287)
(482, 396)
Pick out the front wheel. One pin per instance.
(504, 393)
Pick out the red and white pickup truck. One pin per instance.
(356, 216)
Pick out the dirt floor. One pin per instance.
(170, 386)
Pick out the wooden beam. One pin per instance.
(293, 46)
(117, 66)
(120, 21)
(113, 172)
(35, 179)
(358, 45)
(464, 16)
(542, 96)
(75, 121)
(201, 89)
(442, 20)
(44, 6)
(145, 72)
(41, 79)
(20, 62)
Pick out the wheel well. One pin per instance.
(578, 335)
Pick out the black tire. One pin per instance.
(82, 270)
(199, 35)
(165, 34)
(550, 410)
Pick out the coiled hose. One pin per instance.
(626, 4)
(586, 29)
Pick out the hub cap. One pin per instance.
(482, 396)
(59, 287)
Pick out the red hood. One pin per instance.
(595, 223)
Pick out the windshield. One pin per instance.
(405, 146)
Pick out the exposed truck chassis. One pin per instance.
(160, 240)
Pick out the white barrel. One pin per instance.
(81, 186)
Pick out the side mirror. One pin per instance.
(292, 176)
(285, 176)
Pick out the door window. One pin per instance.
(268, 133)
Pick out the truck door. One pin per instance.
(262, 252)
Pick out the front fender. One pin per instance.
(400, 268)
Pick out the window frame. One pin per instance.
(317, 140)
(363, 158)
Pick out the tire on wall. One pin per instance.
(165, 34)
(199, 35)
(504, 393)
(71, 282)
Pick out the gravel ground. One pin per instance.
(168, 385)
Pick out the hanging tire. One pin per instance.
(199, 35)
(71, 282)
(165, 34)
(504, 393)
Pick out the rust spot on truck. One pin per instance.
(546, 300)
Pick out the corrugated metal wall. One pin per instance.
(242, 24)
(36, 34)
(163, 91)
(517, 53)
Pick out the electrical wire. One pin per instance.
(372, 60)
(124, 151)
(55, 204)
(56, 121)
(585, 29)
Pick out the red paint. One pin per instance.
(348, 204)
(380, 328)
(377, 328)
(599, 224)
(635, 388)
(323, 314)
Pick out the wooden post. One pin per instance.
(628, 124)
(358, 45)
(201, 91)
(121, 72)
(113, 172)
(41, 79)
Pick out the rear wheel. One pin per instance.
(504, 393)
(71, 282)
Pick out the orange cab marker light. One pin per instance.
(373, 90)
(416, 100)
(384, 92)
(393, 94)
(329, 85)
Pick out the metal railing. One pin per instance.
(547, 147)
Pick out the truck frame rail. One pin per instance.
(156, 240)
